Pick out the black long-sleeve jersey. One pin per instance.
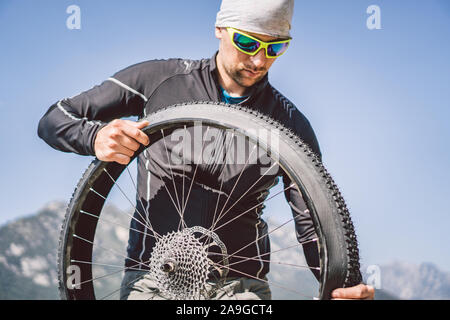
(71, 125)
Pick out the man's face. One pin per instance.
(242, 68)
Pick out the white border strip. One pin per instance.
(128, 88)
(258, 251)
(71, 116)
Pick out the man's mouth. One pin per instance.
(252, 73)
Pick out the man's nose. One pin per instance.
(259, 59)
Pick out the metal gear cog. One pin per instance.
(180, 265)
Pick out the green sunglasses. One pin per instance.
(251, 46)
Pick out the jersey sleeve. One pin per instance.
(303, 222)
(304, 227)
(71, 124)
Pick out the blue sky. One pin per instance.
(379, 101)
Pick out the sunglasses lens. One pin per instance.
(245, 43)
(274, 50)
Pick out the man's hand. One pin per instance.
(119, 140)
(360, 292)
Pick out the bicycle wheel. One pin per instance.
(184, 256)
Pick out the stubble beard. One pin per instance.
(238, 76)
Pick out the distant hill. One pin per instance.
(28, 249)
(415, 282)
(28, 255)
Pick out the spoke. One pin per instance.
(221, 182)
(184, 170)
(97, 193)
(235, 184)
(275, 251)
(243, 195)
(108, 249)
(148, 189)
(290, 247)
(105, 275)
(128, 215)
(257, 257)
(168, 192)
(117, 224)
(264, 235)
(132, 204)
(125, 285)
(268, 253)
(193, 177)
(97, 278)
(147, 220)
(255, 206)
(170, 167)
(244, 259)
(104, 265)
(272, 283)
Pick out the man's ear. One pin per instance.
(218, 32)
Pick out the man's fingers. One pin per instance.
(360, 291)
(112, 148)
(115, 156)
(142, 124)
(370, 292)
(120, 149)
(119, 140)
(139, 125)
(121, 158)
(133, 130)
(128, 142)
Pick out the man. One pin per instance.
(252, 36)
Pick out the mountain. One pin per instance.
(415, 282)
(28, 255)
(28, 250)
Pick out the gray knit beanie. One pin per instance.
(268, 17)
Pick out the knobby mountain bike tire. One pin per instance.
(337, 243)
